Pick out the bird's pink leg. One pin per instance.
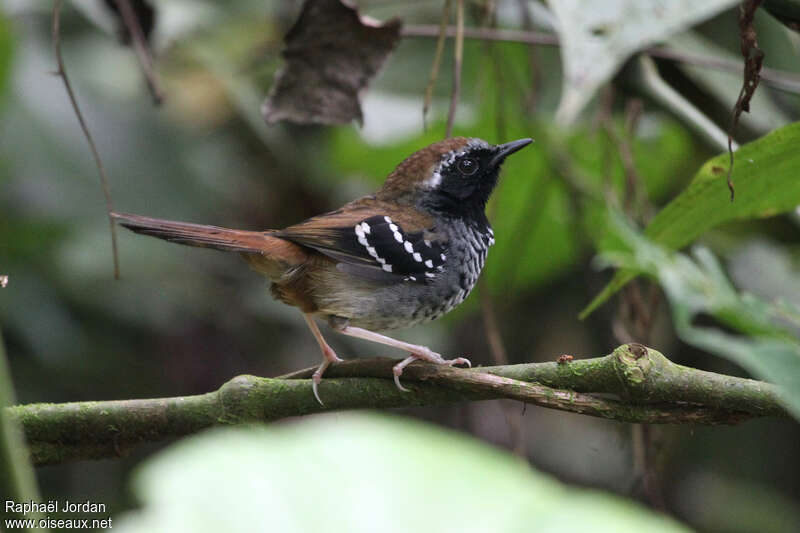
(416, 351)
(328, 356)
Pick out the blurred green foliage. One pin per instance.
(766, 341)
(365, 473)
(6, 53)
(766, 182)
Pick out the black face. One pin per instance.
(466, 178)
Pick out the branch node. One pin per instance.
(634, 363)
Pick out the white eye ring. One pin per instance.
(467, 166)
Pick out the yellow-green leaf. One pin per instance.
(765, 176)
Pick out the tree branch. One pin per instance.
(648, 388)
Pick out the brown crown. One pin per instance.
(419, 166)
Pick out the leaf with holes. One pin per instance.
(331, 55)
(598, 37)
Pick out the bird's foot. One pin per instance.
(427, 355)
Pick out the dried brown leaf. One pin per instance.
(331, 55)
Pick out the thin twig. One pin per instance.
(499, 355)
(632, 310)
(533, 63)
(458, 58)
(497, 348)
(488, 34)
(62, 72)
(437, 60)
(141, 47)
(779, 79)
(753, 62)
(643, 73)
(634, 193)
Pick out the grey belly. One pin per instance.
(372, 306)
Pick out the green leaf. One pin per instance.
(355, 472)
(765, 177)
(17, 479)
(769, 347)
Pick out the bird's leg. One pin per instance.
(328, 356)
(416, 351)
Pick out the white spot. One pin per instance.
(491, 232)
(363, 241)
(429, 263)
(430, 275)
(491, 241)
(398, 237)
(393, 227)
(387, 268)
(409, 247)
(444, 257)
(428, 243)
(359, 231)
(434, 181)
(412, 278)
(388, 220)
(366, 228)
(417, 257)
(372, 251)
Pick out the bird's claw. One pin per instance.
(316, 379)
(397, 382)
(397, 369)
(459, 361)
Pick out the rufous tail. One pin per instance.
(228, 240)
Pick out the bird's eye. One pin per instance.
(468, 166)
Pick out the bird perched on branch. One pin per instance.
(405, 255)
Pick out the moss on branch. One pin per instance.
(646, 385)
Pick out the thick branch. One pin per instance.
(649, 388)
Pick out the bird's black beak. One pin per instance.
(504, 150)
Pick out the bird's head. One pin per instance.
(454, 176)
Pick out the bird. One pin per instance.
(404, 255)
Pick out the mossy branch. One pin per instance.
(646, 386)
